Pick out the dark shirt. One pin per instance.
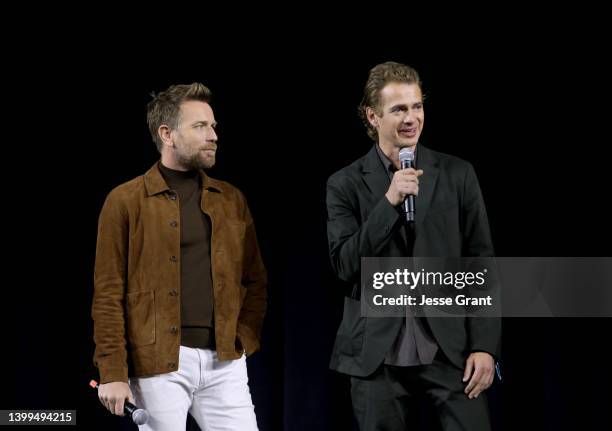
(415, 344)
(197, 323)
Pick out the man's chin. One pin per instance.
(207, 163)
(197, 163)
(406, 144)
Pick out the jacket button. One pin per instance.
(173, 292)
(172, 196)
(173, 329)
(172, 364)
(173, 258)
(173, 223)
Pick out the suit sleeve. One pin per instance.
(348, 239)
(484, 333)
(109, 291)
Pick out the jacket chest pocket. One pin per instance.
(141, 318)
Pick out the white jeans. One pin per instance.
(216, 393)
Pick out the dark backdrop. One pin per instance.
(531, 116)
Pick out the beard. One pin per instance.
(195, 161)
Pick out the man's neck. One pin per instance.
(391, 152)
(170, 163)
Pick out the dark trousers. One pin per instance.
(390, 399)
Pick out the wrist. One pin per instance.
(391, 200)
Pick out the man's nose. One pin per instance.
(212, 136)
(409, 117)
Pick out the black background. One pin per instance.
(530, 113)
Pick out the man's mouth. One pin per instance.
(408, 132)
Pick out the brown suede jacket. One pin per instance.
(136, 302)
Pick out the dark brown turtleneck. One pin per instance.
(197, 323)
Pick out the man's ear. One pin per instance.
(164, 134)
(372, 117)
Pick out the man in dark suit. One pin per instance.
(393, 362)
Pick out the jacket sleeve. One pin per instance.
(484, 332)
(254, 280)
(348, 239)
(109, 291)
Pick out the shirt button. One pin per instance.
(173, 223)
(173, 258)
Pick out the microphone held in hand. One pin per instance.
(406, 156)
(138, 416)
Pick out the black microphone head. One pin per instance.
(406, 155)
(140, 416)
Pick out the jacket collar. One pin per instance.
(155, 183)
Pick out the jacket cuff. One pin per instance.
(385, 214)
(248, 340)
(108, 375)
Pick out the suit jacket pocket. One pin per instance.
(349, 340)
(141, 318)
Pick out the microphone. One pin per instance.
(138, 416)
(406, 156)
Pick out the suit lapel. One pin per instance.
(374, 175)
(427, 184)
(377, 180)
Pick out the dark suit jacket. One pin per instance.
(450, 221)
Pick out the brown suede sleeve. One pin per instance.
(109, 291)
